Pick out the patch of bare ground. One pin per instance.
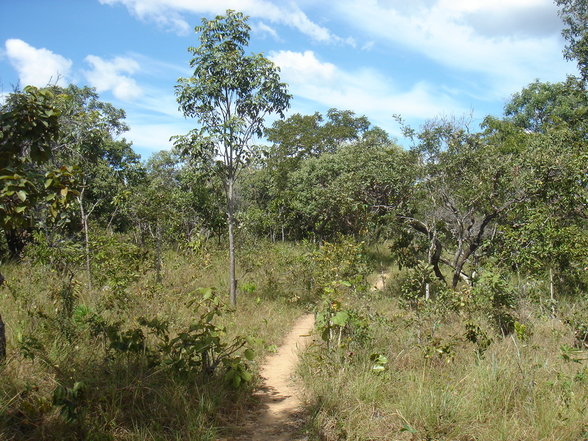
(280, 416)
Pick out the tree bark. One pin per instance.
(2, 332)
(231, 222)
(84, 217)
(158, 253)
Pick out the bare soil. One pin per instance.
(280, 417)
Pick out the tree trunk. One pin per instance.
(551, 293)
(2, 332)
(84, 217)
(231, 222)
(158, 253)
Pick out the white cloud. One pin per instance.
(37, 67)
(365, 91)
(262, 28)
(109, 75)
(154, 137)
(303, 67)
(499, 40)
(168, 13)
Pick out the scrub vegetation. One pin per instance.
(448, 277)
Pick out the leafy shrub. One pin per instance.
(413, 284)
(199, 349)
(493, 296)
(116, 263)
(338, 325)
(61, 253)
(475, 334)
(342, 260)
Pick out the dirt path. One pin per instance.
(281, 415)
(380, 282)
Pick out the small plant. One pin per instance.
(380, 362)
(478, 337)
(341, 260)
(440, 349)
(495, 297)
(339, 326)
(116, 263)
(198, 349)
(248, 287)
(419, 289)
(522, 331)
(571, 354)
(68, 400)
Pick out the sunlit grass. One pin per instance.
(124, 397)
(517, 390)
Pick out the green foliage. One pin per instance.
(198, 349)
(29, 122)
(380, 362)
(415, 283)
(344, 259)
(68, 400)
(116, 262)
(573, 355)
(492, 295)
(477, 336)
(61, 253)
(522, 331)
(229, 92)
(574, 14)
(340, 326)
(539, 106)
(435, 348)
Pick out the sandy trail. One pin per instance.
(280, 417)
(281, 414)
(380, 281)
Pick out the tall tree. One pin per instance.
(89, 140)
(574, 14)
(229, 94)
(29, 126)
(294, 141)
(541, 106)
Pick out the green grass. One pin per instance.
(517, 390)
(437, 384)
(125, 396)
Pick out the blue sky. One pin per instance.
(416, 58)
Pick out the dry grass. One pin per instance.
(126, 398)
(519, 389)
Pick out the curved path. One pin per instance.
(281, 414)
(280, 417)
